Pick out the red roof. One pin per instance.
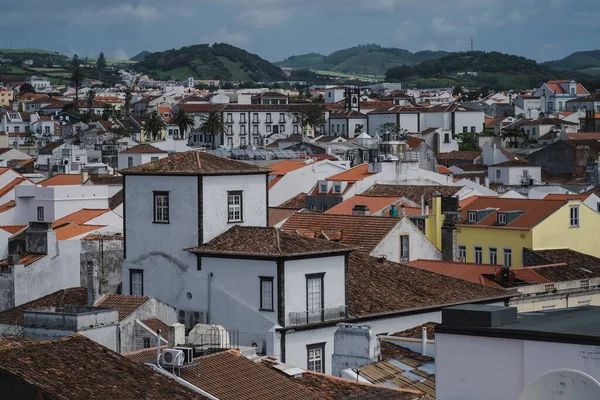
(374, 203)
(11, 185)
(80, 217)
(355, 174)
(126, 305)
(143, 149)
(283, 167)
(584, 135)
(13, 228)
(62, 180)
(73, 230)
(445, 170)
(556, 88)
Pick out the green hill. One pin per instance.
(141, 56)
(583, 61)
(492, 69)
(368, 59)
(26, 51)
(219, 61)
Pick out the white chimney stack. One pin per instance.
(423, 340)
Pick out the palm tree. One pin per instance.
(513, 134)
(212, 125)
(108, 112)
(76, 78)
(184, 121)
(91, 96)
(128, 97)
(154, 125)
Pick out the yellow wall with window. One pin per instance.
(500, 238)
(434, 222)
(555, 231)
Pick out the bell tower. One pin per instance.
(352, 99)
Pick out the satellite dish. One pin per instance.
(562, 384)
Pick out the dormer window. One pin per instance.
(337, 187)
(501, 218)
(323, 187)
(472, 216)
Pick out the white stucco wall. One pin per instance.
(513, 175)
(464, 370)
(409, 122)
(419, 246)
(215, 188)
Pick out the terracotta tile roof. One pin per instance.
(565, 197)
(231, 376)
(345, 114)
(283, 167)
(269, 94)
(355, 174)
(330, 387)
(556, 88)
(549, 121)
(583, 135)
(376, 204)
(377, 286)
(61, 298)
(359, 232)
(80, 217)
(143, 355)
(414, 142)
(392, 109)
(143, 149)
(11, 185)
(535, 211)
(155, 324)
(13, 228)
(592, 97)
(417, 331)
(458, 155)
(50, 146)
(124, 304)
(71, 231)
(116, 200)
(578, 265)
(391, 351)
(200, 108)
(515, 163)
(106, 179)
(444, 170)
(411, 192)
(62, 180)
(102, 236)
(296, 203)
(26, 260)
(77, 368)
(195, 163)
(277, 214)
(475, 273)
(266, 243)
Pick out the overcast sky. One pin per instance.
(275, 29)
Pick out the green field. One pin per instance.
(44, 70)
(591, 71)
(348, 76)
(237, 73)
(110, 61)
(181, 74)
(26, 51)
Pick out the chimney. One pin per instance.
(354, 346)
(427, 208)
(91, 293)
(449, 236)
(84, 176)
(403, 210)
(422, 204)
(424, 340)
(176, 335)
(361, 209)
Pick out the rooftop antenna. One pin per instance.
(471, 44)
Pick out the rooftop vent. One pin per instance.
(479, 315)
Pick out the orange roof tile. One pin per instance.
(283, 167)
(535, 211)
(11, 185)
(126, 305)
(70, 231)
(13, 228)
(597, 115)
(276, 214)
(7, 206)
(355, 174)
(62, 180)
(445, 170)
(374, 203)
(564, 197)
(414, 142)
(80, 217)
(465, 202)
(26, 259)
(584, 135)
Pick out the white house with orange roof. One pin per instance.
(140, 154)
(555, 94)
(9, 180)
(292, 177)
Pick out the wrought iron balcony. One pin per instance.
(316, 316)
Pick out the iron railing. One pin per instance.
(316, 316)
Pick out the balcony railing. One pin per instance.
(316, 316)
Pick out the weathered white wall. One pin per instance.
(512, 176)
(419, 246)
(215, 188)
(333, 282)
(464, 370)
(152, 308)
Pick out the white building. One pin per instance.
(39, 83)
(334, 94)
(554, 95)
(140, 154)
(347, 123)
(484, 352)
(515, 173)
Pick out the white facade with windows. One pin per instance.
(129, 160)
(515, 176)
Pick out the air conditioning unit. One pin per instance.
(65, 162)
(172, 357)
(258, 344)
(188, 354)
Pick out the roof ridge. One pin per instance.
(198, 160)
(277, 241)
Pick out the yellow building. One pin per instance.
(495, 230)
(6, 97)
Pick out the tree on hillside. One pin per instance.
(75, 61)
(457, 91)
(26, 88)
(127, 105)
(154, 126)
(101, 62)
(91, 96)
(184, 121)
(77, 78)
(513, 135)
(212, 125)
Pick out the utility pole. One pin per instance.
(471, 44)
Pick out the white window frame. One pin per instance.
(507, 257)
(137, 282)
(40, 213)
(404, 247)
(502, 218)
(337, 187)
(315, 357)
(235, 205)
(478, 254)
(472, 216)
(462, 253)
(574, 217)
(323, 187)
(161, 207)
(266, 293)
(493, 255)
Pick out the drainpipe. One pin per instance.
(209, 293)
(423, 340)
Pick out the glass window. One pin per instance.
(266, 293)
(315, 357)
(478, 255)
(146, 343)
(314, 297)
(255, 129)
(136, 282)
(507, 257)
(296, 129)
(243, 130)
(242, 141)
(40, 213)
(152, 159)
(161, 207)
(465, 129)
(574, 221)
(472, 216)
(229, 142)
(234, 204)
(268, 128)
(229, 118)
(404, 247)
(473, 129)
(281, 118)
(498, 174)
(243, 118)
(493, 255)
(462, 253)
(323, 187)
(255, 117)
(268, 118)
(281, 128)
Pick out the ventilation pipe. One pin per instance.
(423, 340)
